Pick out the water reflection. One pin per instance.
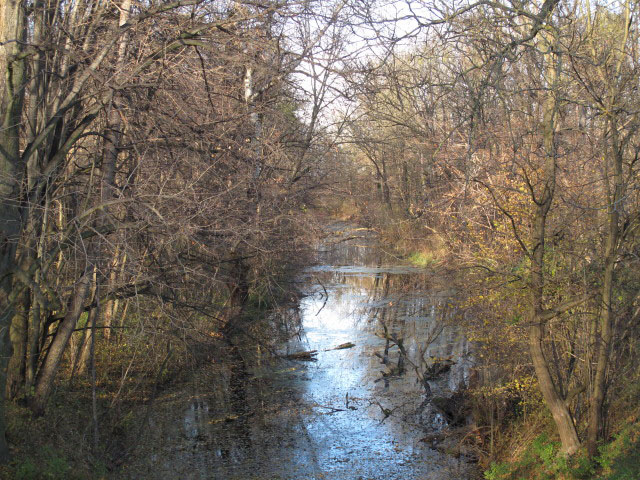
(358, 412)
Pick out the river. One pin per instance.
(362, 412)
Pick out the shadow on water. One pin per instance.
(354, 413)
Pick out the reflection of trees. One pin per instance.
(251, 421)
(425, 369)
(417, 352)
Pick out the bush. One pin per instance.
(49, 465)
(543, 460)
(618, 460)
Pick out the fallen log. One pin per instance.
(342, 346)
(307, 355)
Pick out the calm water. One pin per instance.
(355, 413)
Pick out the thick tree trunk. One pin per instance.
(35, 323)
(76, 350)
(5, 349)
(12, 81)
(18, 335)
(111, 305)
(602, 348)
(19, 331)
(109, 311)
(122, 318)
(554, 401)
(35, 329)
(44, 383)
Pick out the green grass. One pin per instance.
(422, 259)
(618, 459)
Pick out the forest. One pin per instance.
(168, 168)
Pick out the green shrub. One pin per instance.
(49, 464)
(55, 466)
(617, 460)
(422, 259)
(543, 460)
(498, 471)
(26, 470)
(620, 458)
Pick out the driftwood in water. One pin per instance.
(307, 355)
(310, 354)
(342, 346)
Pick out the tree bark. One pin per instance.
(553, 399)
(35, 328)
(52, 361)
(12, 82)
(112, 140)
(18, 334)
(238, 295)
(604, 337)
(84, 351)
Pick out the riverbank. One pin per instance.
(361, 409)
(514, 435)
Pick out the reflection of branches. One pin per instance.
(328, 407)
(346, 239)
(424, 372)
(385, 411)
(326, 295)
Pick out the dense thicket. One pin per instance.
(509, 132)
(154, 171)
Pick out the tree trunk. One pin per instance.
(604, 336)
(111, 305)
(44, 383)
(112, 140)
(35, 328)
(12, 81)
(406, 191)
(239, 294)
(386, 191)
(5, 348)
(35, 323)
(553, 399)
(76, 351)
(84, 352)
(18, 334)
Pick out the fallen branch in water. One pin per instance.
(307, 355)
(333, 409)
(342, 346)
